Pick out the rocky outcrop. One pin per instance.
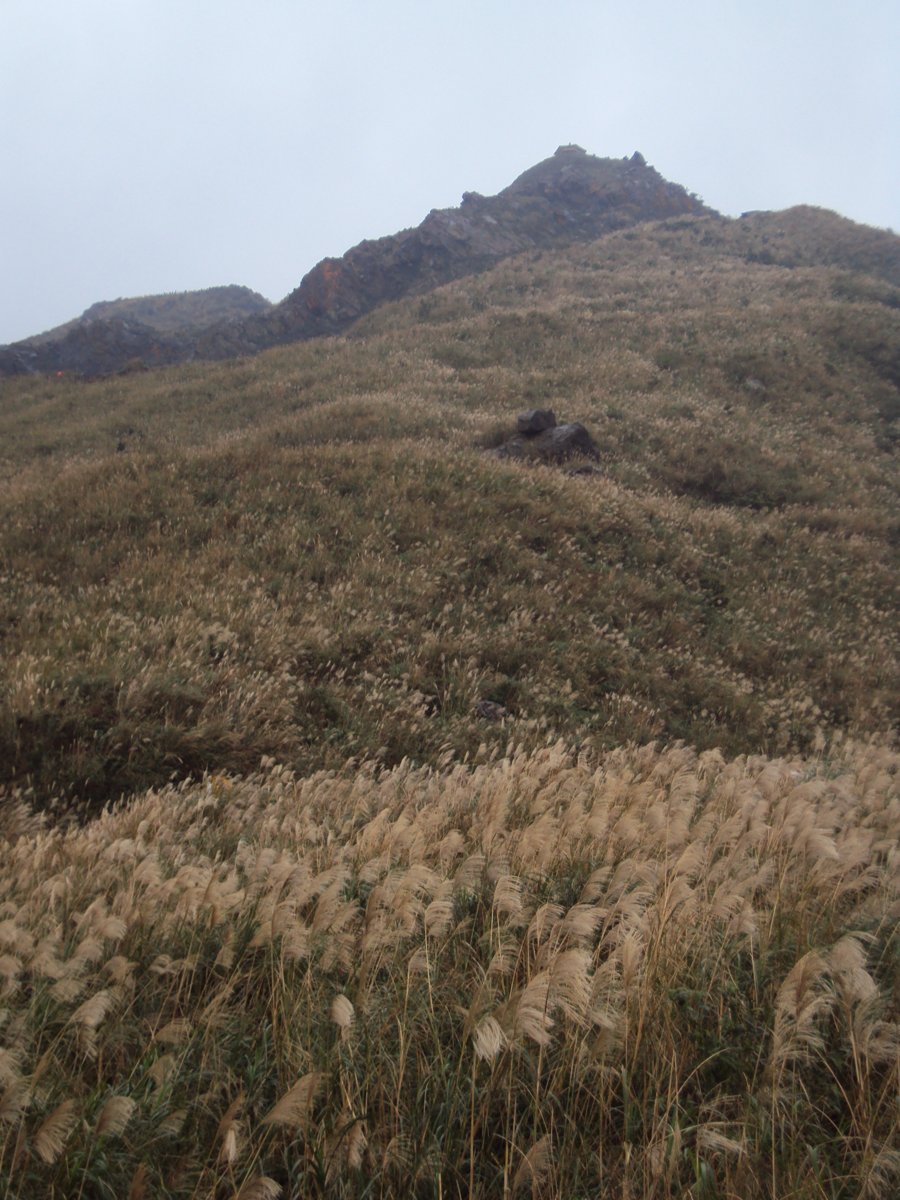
(100, 348)
(114, 335)
(538, 437)
(568, 198)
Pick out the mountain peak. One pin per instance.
(571, 167)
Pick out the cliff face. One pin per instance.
(570, 197)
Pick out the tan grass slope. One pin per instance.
(308, 555)
(636, 938)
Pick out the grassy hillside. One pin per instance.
(345, 936)
(309, 554)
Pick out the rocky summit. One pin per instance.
(571, 197)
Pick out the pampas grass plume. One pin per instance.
(53, 1132)
(115, 1115)
(294, 1109)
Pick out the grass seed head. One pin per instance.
(53, 1132)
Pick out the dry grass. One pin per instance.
(652, 973)
(320, 602)
(307, 555)
(346, 937)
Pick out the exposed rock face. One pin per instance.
(570, 197)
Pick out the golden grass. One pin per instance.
(307, 555)
(645, 973)
(315, 603)
(345, 937)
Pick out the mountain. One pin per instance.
(169, 312)
(571, 197)
(722, 575)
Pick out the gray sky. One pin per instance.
(164, 145)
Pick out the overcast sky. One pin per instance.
(165, 145)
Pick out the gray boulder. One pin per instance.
(535, 421)
(540, 439)
(553, 445)
(565, 441)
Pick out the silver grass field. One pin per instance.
(647, 973)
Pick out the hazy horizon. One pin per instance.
(156, 146)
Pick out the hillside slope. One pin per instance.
(310, 554)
